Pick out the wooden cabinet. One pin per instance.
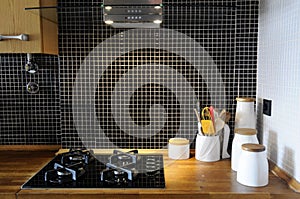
(15, 20)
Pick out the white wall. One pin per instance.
(279, 80)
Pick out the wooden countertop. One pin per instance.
(184, 179)
(16, 167)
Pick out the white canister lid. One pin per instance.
(245, 131)
(251, 147)
(179, 141)
(245, 99)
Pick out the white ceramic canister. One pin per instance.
(241, 136)
(179, 148)
(245, 116)
(207, 148)
(253, 169)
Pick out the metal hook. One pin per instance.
(31, 66)
(32, 87)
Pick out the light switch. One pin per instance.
(267, 107)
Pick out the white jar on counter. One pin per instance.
(241, 136)
(245, 116)
(253, 169)
(179, 148)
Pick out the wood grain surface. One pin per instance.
(29, 147)
(15, 20)
(184, 179)
(16, 167)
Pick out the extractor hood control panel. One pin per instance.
(133, 14)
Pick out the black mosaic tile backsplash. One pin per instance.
(29, 118)
(132, 88)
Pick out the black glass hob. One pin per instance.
(83, 169)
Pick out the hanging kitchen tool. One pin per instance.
(32, 87)
(31, 66)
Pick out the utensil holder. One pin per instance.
(207, 148)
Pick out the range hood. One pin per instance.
(133, 13)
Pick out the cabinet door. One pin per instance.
(15, 20)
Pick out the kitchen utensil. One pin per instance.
(200, 129)
(222, 115)
(207, 127)
(227, 118)
(205, 114)
(212, 115)
(197, 115)
(22, 37)
(206, 122)
(226, 132)
(199, 122)
(219, 124)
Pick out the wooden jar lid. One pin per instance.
(179, 141)
(245, 99)
(253, 147)
(245, 131)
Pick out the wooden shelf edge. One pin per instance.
(292, 182)
(29, 147)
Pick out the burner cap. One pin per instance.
(63, 172)
(124, 157)
(76, 157)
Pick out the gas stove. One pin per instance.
(80, 168)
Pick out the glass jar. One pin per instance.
(245, 116)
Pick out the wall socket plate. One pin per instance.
(267, 107)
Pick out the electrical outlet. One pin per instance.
(267, 107)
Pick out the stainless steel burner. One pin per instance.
(121, 162)
(63, 172)
(77, 155)
(72, 166)
(124, 160)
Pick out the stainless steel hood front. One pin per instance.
(133, 13)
